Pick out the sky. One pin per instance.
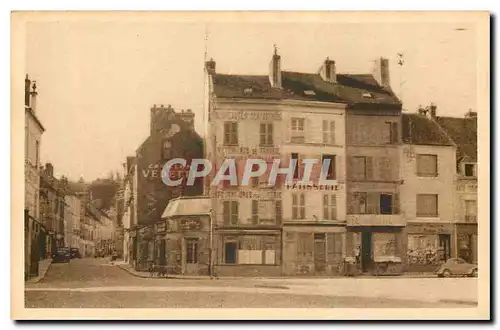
(97, 80)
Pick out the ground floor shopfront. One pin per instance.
(466, 241)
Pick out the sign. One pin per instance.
(248, 115)
(248, 194)
(375, 220)
(428, 228)
(190, 224)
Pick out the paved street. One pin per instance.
(94, 283)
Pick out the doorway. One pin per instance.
(366, 251)
(162, 260)
(319, 253)
(444, 246)
(191, 256)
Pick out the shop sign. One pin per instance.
(190, 224)
(467, 229)
(428, 228)
(248, 115)
(375, 220)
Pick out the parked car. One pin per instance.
(75, 253)
(62, 254)
(457, 267)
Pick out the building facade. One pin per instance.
(33, 226)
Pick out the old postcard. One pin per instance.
(284, 165)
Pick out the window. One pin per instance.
(298, 134)
(230, 212)
(330, 207)
(427, 205)
(427, 165)
(469, 170)
(266, 134)
(251, 250)
(263, 211)
(37, 159)
(393, 133)
(331, 174)
(298, 206)
(384, 245)
(192, 250)
(470, 211)
(328, 132)
(230, 133)
(386, 204)
(295, 157)
(362, 168)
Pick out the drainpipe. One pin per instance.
(210, 247)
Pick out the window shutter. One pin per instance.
(394, 133)
(350, 168)
(302, 206)
(350, 203)
(325, 132)
(373, 203)
(332, 132)
(270, 133)
(227, 132)
(369, 168)
(234, 213)
(235, 133)
(395, 203)
(333, 207)
(226, 212)
(325, 207)
(279, 207)
(295, 204)
(255, 212)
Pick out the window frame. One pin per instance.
(298, 206)
(329, 132)
(230, 132)
(330, 207)
(266, 135)
(428, 175)
(419, 214)
(298, 129)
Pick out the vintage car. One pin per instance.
(457, 267)
(75, 253)
(62, 254)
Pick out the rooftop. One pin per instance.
(463, 131)
(420, 129)
(186, 206)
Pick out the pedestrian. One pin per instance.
(357, 254)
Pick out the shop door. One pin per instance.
(162, 260)
(444, 246)
(319, 253)
(191, 256)
(366, 251)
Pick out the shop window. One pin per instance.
(230, 133)
(334, 247)
(427, 205)
(298, 206)
(427, 165)
(266, 134)
(298, 130)
(256, 250)
(384, 245)
(471, 211)
(423, 250)
(305, 246)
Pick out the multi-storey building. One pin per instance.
(463, 131)
(427, 192)
(72, 219)
(172, 135)
(282, 229)
(34, 227)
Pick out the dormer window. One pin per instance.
(469, 170)
(248, 91)
(310, 93)
(368, 95)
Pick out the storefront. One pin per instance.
(160, 243)
(255, 252)
(379, 249)
(145, 248)
(313, 249)
(428, 245)
(466, 235)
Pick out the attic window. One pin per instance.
(248, 91)
(368, 95)
(310, 93)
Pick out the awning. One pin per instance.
(184, 206)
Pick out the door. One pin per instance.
(191, 256)
(230, 249)
(319, 253)
(162, 259)
(366, 251)
(444, 246)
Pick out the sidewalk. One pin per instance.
(128, 268)
(43, 267)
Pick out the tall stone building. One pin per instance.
(33, 226)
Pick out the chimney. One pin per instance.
(432, 110)
(188, 117)
(422, 111)
(49, 170)
(470, 114)
(33, 96)
(381, 72)
(210, 67)
(328, 71)
(275, 70)
(27, 86)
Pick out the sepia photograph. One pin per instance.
(271, 164)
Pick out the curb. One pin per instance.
(136, 274)
(41, 276)
(461, 302)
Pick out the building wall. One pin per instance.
(33, 135)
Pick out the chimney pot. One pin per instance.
(328, 71)
(27, 85)
(210, 66)
(275, 70)
(381, 72)
(433, 110)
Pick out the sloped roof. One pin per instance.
(463, 131)
(349, 89)
(186, 206)
(419, 129)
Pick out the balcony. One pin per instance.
(471, 218)
(375, 220)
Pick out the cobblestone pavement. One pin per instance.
(95, 283)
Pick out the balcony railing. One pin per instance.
(375, 220)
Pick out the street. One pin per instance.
(95, 283)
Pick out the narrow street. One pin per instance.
(95, 283)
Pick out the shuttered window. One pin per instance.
(427, 205)
(298, 130)
(329, 207)
(266, 134)
(298, 206)
(427, 165)
(230, 133)
(362, 168)
(230, 212)
(328, 132)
